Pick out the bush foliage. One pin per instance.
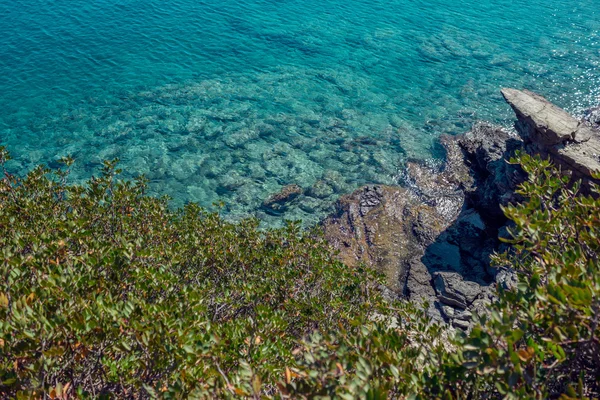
(106, 292)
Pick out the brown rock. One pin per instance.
(370, 226)
(277, 203)
(388, 227)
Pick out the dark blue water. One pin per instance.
(231, 100)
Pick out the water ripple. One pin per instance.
(229, 99)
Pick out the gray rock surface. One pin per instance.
(592, 116)
(485, 149)
(549, 129)
(451, 285)
(539, 120)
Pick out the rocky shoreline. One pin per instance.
(433, 236)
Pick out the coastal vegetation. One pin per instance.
(108, 292)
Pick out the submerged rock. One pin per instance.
(320, 190)
(277, 203)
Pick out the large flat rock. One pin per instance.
(542, 122)
(571, 143)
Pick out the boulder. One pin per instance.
(430, 243)
(278, 202)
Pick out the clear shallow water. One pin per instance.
(231, 100)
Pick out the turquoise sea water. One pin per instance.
(232, 99)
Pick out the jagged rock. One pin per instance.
(451, 285)
(460, 299)
(418, 286)
(376, 225)
(486, 148)
(464, 325)
(449, 182)
(551, 130)
(412, 232)
(456, 170)
(277, 203)
(485, 144)
(388, 227)
(592, 116)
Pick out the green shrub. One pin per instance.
(108, 293)
(542, 338)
